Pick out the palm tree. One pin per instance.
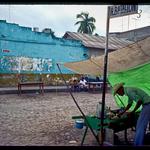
(86, 23)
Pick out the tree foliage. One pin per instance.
(86, 23)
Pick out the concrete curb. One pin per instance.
(13, 90)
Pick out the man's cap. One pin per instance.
(117, 86)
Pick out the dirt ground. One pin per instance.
(33, 119)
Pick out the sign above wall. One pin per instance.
(122, 10)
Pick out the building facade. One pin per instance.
(133, 35)
(31, 53)
(27, 51)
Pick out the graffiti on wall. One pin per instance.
(25, 64)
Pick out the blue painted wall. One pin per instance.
(21, 42)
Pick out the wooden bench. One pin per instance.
(24, 81)
(27, 84)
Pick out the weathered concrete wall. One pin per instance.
(35, 49)
(23, 51)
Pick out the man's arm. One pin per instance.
(138, 104)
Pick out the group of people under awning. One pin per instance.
(81, 84)
(78, 85)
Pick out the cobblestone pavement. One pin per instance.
(32, 119)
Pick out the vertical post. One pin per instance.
(128, 21)
(122, 24)
(104, 77)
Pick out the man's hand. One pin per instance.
(124, 111)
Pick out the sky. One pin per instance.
(61, 18)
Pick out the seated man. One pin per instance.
(83, 84)
(74, 84)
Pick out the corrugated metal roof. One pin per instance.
(98, 41)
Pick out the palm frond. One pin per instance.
(78, 16)
(78, 22)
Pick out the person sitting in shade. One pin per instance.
(74, 84)
(83, 84)
(141, 98)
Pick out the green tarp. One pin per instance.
(134, 77)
